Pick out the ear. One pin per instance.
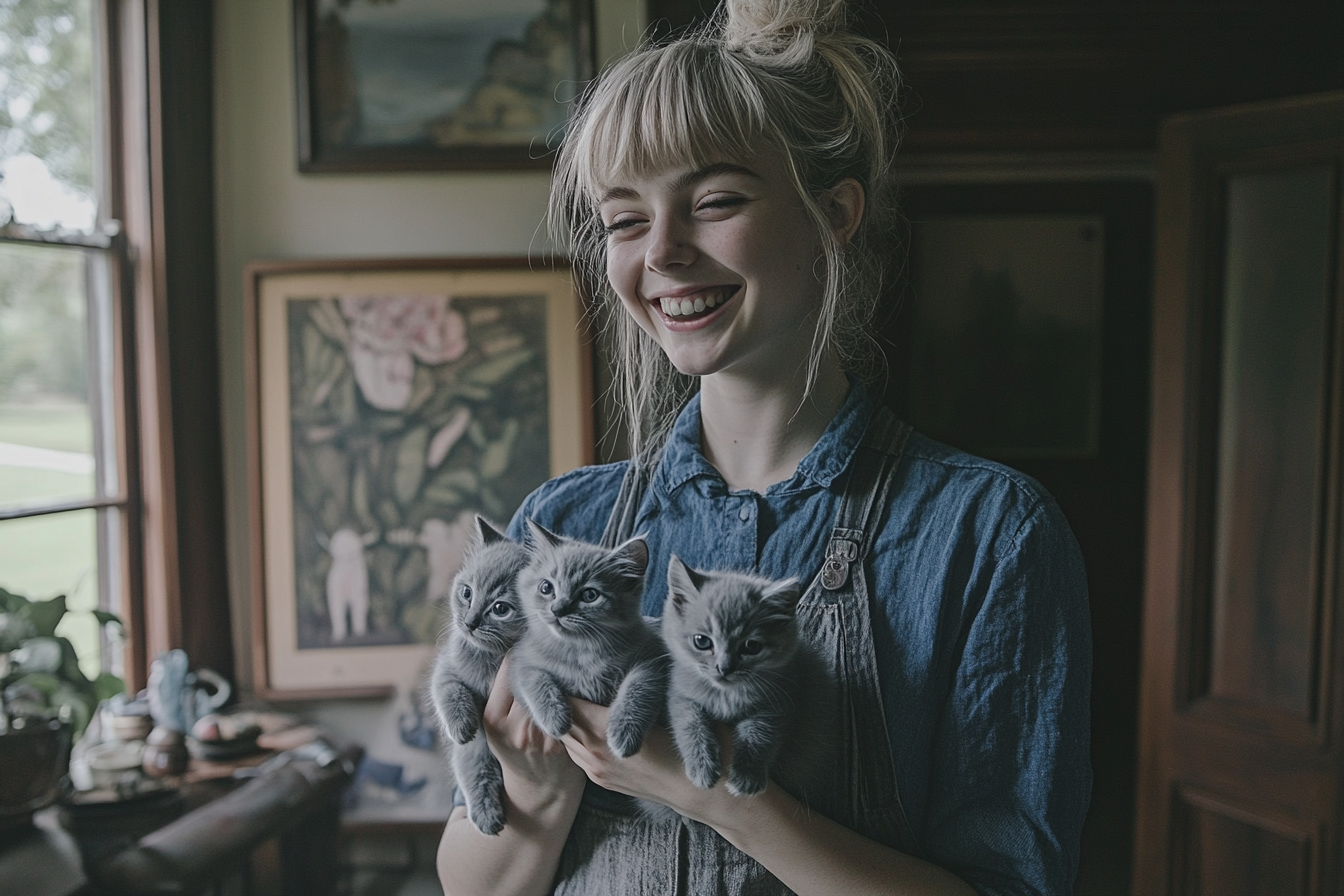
(681, 579)
(681, 583)
(541, 535)
(636, 553)
(782, 597)
(844, 204)
(487, 533)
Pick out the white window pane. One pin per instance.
(47, 113)
(46, 425)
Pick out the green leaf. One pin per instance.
(11, 602)
(107, 686)
(410, 471)
(46, 614)
(106, 618)
(499, 454)
(493, 370)
(15, 628)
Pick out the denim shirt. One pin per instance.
(980, 625)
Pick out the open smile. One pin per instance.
(693, 307)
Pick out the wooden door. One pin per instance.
(1242, 689)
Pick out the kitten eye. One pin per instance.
(501, 609)
(751, 647)
(589, 595)
(546, 587)
(702, 642)
(466, 593)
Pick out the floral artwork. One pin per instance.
(408, 415)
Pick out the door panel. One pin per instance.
(1240, 756)
(1267, 519)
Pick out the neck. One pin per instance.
(755, 432)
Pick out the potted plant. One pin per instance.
(46, 701)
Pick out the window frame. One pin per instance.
(156, 227)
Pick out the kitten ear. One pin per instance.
(783, 597)
(487, 533)
(682, 581)
(541, 535)
(636, 553)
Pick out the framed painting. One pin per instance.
(399, 85)
(389, 403)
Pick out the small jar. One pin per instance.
(165, 752)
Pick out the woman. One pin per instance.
(730, 196)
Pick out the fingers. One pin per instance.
(500, 702)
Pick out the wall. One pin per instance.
(266, 210)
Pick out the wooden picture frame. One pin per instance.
(390, 401)
(420, 85)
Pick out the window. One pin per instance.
(66, 502)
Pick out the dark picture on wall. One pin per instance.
(1006, 332)
(425, 84)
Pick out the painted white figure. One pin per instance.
(445, 544)
(348, 583)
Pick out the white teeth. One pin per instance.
(674, 307)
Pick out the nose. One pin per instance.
(725, 665)
(670, 245)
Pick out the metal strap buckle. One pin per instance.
(840, 552)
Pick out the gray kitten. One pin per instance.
(737, 659)
(487, 621)
(586, 638)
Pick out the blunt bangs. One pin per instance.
(687, 104)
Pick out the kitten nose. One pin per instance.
(559, 609)
(472, 624)
(725, 667)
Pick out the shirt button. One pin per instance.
(745, 513)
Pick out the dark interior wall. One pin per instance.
(1078, 81)
(1060, 75)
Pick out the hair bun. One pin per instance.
(782, 31)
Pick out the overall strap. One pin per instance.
(621, 523)
(867, 490)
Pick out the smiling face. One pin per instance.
(719, 265)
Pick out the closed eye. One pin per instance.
(620, 224)
(720, 202)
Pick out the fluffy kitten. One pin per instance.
(487, 621)
(737, 659)
(586, 638)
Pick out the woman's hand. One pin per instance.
(654, 773)
(537, 768)
(542, 790)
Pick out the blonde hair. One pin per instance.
(786, 73)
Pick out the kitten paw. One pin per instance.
(488, 817)
(625, 737)
(743, 783)
(555, 723)
(703, 774)
(462, 726)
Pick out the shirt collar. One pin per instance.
(683, 461)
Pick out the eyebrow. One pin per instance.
(690, 178)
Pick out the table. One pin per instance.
(297, 803)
